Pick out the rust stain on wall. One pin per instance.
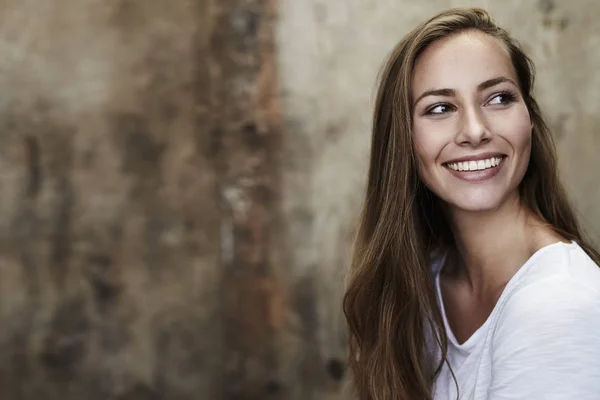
(247, 140)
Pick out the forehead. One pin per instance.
(461, 62)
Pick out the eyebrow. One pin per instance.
(451, 92)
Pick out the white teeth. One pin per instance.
(475, 165)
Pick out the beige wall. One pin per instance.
(329, 55)
(107, 258)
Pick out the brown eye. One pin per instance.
(439, 109)
(502, 99)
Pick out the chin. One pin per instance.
(479, 206)
(478, 202)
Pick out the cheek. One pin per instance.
(427, 145)
(422, 151)
(429, 142)
(518, 132)
(525, 154)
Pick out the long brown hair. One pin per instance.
(390, 302)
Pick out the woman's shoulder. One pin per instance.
(545, 337)
(559, 282)
(566, 262)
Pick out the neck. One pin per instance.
(493, 245)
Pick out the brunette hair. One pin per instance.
(390, 302)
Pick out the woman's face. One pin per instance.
(471, 127)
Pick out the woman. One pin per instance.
(471, 278)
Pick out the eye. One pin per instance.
(438, 109)
(503, 98)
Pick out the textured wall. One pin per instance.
(108, 257)
(329, 55)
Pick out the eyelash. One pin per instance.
(509, 98)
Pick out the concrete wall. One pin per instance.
(107, 253)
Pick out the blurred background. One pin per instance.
(180, 179)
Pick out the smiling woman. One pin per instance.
(471, 278)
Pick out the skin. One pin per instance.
(482, 112)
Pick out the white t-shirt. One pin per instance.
(542, 339)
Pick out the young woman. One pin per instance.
(471, 278)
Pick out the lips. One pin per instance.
(477, 157)
(476, 169)
(474, 165)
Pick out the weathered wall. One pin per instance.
(139, 249)
(329, 55)
(108, 256)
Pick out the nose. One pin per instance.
(472, 130)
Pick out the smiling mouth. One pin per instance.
(478, 165)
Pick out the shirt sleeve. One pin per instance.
(547, 343)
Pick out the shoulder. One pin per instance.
(555, 301)
(544, 340)
(558, 295)
(564, 265)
